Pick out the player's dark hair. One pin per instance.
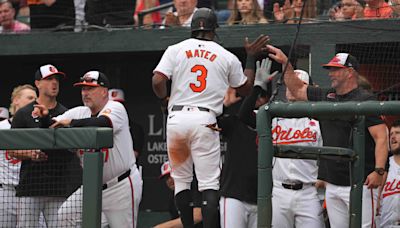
(396, 123)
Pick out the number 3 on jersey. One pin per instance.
(201, 78)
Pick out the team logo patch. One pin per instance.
(52, 69)
(312, 123)
(331, 95)
(106, 111)
(335, 60)
(114, 93)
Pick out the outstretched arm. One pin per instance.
(253, 50)
(292, 82)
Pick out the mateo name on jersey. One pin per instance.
(201, 54)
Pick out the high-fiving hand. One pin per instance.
(263, 73)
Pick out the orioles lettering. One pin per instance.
(293, 136)
(392, 187)
(196, 53)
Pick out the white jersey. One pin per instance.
(301, 132)
(201, 72)
(120, 158)
(9, 167)
(391, 196)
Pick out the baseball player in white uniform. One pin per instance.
(294, 197)
(9, 166)
(201, 71)
(122, 183)
(390, 198)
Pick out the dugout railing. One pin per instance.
(319, 110)
(70, 138)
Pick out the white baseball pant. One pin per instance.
(120, 204)
(338, 205)
(31, 208)
(191, 142)
(237, 214)
(296, 208)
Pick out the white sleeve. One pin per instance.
(236, 76)
(79, 112)
(117, 114)
(167, 63)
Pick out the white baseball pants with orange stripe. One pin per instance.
(191, 142)
(120, 204)
(338, 205)
(237, 214)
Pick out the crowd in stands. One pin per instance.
(77, 15)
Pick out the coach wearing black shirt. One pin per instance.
(344, 82)
(47, 177)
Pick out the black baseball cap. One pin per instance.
(94, 79)
(343, 60)
(46, 71)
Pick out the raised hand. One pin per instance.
(277, 54)
(278, 13)
(263, 73)
(40, 111)
(256, 47)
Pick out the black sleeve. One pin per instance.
(246, 113)
(101, 121)
(226, 122)
(18, 120)
(45, 122)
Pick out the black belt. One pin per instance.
(293, 186)
(180, 107)
(120, 178)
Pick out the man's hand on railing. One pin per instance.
(34, 155)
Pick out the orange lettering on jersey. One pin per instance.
(391, 188)
(196, 53)
(189, 54)
(200, 54)
(290, 136)
(213, 57)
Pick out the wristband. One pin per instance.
(250, 62)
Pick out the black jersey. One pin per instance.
(60, 175)
(239, 171)
(338, 133)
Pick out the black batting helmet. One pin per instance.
(204, 19)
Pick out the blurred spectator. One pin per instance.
(23, 12)
(7, 22)
(246, 12)
(290, 12)
(346, 10)
(377, 9)
(183, 14)
(51, 13)
(395, 4)
(149, 19)
(175, 221)
(80, 21)
(107, 12)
